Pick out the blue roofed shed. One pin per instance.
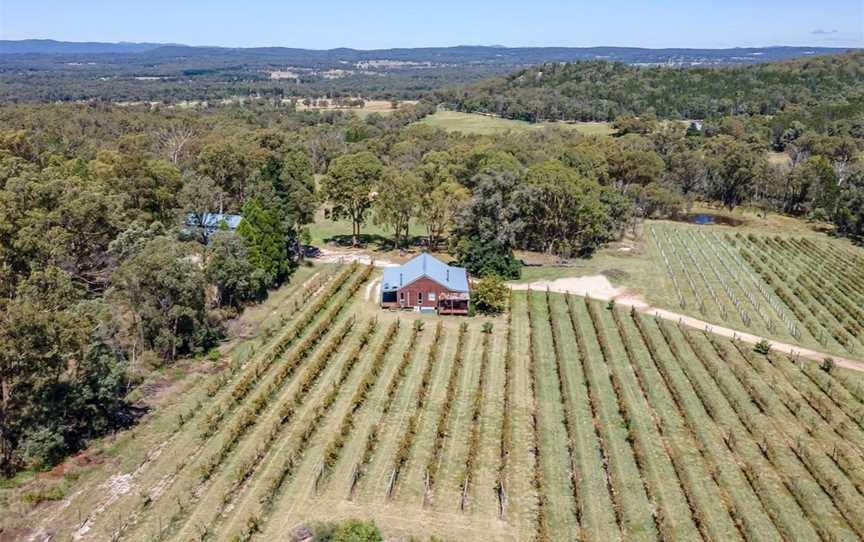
(211, 222)
(426, 283)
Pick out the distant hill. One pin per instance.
(49, 71)
(462, 54)
(52, 47)
(603, 91)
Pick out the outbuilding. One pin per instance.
(426, 284)
(210, 223)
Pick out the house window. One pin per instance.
(420, 297)
(402, 297)
(431, 296)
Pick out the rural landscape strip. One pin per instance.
(637, 520)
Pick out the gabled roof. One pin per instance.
(212, 220)
(453, 278)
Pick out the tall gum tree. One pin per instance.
(349, 185)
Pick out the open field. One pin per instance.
(568, 421)
(384, 107)
(472, 123)
(325, 231)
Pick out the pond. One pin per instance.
(708, 219)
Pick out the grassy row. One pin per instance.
(833, 269)
(248, 416)
(593, 489)
(287, 409)
(845, 313)
(476, 420)
(807, 483)
(616, 424)
(712, 498)
(567, 404)
(728, 289)
(538, 482)
(775, 484)
(506, 442)
(370, 379)
(406, 443)
(239, 427)
(835, 465)
(393, 386)
(843, 265)
(810, 295)
(837, 390)
(765, 272)
(674, 497)
(286, 369)
(446, 408)
(804, 403)
(247, 466)
(729, 498)
(736, 279)
(314, 284)
(216, 383)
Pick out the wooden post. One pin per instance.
(391, 485)
(464, 495)
(355, 477)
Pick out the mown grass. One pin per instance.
(473, 123)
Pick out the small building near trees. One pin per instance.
(210, 223)
(426, 284)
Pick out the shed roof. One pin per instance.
(425, 265)
(212, 220)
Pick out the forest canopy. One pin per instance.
(605, 91)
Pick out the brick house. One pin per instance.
(426, 284)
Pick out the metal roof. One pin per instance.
(425, 265)
(212, 220)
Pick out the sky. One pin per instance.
(372, 24)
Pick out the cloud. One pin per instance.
(820, 32)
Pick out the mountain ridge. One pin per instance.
(488, 54)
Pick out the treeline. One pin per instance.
(605, 91)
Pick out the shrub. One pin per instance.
(487, 327)
(42, 494)
(762, 347)
(490, 295)
(357, 531)
(828, 365)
